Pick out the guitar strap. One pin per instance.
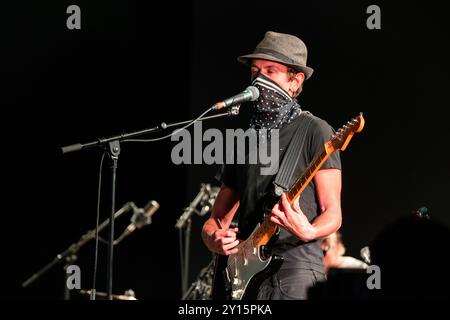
(288, 164)
(293, 152)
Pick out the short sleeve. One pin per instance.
(228, 176)
(320, 133)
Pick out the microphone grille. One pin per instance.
(254, 92)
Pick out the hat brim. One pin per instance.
(246, 59)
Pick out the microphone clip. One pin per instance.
(204, 198)
(139, 217)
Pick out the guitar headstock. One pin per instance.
(342, 137)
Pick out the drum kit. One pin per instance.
(201, 288)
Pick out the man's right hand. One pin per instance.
(223, 241)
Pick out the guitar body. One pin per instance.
(251, 292)
(239, 276)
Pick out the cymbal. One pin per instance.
(103, 295)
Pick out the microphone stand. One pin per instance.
(70, 260)
(185, 222)
(112, 146)
(69, 255)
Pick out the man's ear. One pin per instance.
(297, 81)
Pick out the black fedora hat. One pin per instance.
(283, 48)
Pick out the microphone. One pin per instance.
(208, 202)
(202, 197)
(141, 217)
(249, 94)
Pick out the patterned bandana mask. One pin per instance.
(274, 107)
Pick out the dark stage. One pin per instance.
(133, 65)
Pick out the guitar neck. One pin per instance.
(267, 228)
(301, 183)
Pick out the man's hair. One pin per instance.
(291, 74)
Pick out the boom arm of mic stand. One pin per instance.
(75, 246)
(233, 111)
(99, 142)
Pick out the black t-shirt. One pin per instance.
(251, 185)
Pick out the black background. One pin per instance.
(134, 65)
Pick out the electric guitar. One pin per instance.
(238, 276)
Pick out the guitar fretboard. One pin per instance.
(301, 183)
(267, 228)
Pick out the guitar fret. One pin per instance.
(301, 181)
